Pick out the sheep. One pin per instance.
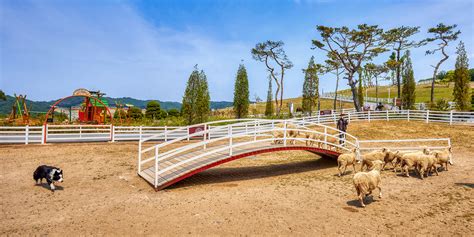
(289, 133)
(384, 155)
(425, 163)
(366, 182)
(312, 138)
(400, 154)
(346, 159)
(412, 159)
(444, 157)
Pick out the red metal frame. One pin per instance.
(90, 97)
(316, 150)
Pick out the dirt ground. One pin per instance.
(286, 193)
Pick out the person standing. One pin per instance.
(342, 125)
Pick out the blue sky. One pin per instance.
(147, 49)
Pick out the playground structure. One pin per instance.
(20, 113)
(94, 108)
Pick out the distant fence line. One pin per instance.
(92, 133)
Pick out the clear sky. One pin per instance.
(147, 49)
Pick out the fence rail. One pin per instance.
(84, 133)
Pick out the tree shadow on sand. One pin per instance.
(223, 175)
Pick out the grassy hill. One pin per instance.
(43, 106)
(423, 92)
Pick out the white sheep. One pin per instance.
(312, 138)
(366, 182)
(412, 159)
(399, 157)
(346, 159)
(384, 155)
(425, 163)
(444, 157)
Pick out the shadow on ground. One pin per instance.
(223, 175)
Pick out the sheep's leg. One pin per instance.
(361, 197)
(380, 192)
(354, 167)
(446, 166)
(435, 169)
(406, 170)
(345, 167)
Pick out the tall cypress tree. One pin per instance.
(203, 100)
(408, 83)
(269, 105)
(461, 90)
(310, 86)
(188, 109)
(241, 93)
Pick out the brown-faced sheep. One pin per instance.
(345, 160)
(444, 157)
(366, 182)
(399, 157)
(412, 159)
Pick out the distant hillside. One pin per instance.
(43, 106)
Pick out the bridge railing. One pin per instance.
(228, 137)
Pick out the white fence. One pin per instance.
(89, 133)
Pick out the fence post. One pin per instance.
(140, 136)
(408, 115)
(188, 133)
(319, 114)
(387, 114)
(140, 151)
(230, 139)
(112, 133)
(80, 131)
(451, 117)
(334, 116)
(427, 116)
(369, 115)
(27, 134)
(166, 133)
(284, 134)
(255, 131)
(44, 133)
(349, 115)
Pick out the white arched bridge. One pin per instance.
(210, 144)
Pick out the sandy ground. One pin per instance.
(284, 193)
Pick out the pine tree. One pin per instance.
(188, 109)
(310, 86)
(241, 93)
(269, 104)
(408, 83)
(153, 110)
(461, 80)
(203, 100)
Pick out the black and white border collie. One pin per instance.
(50, 173)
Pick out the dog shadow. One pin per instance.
(355, 203)
(46, 186)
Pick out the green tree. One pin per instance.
(461, 78)
(408, 81)
(203, 100)
(120, 113)
(269, 105)
(135, 113)
(374, 71)
(352, 47)
(273, 51)
(173, 113)
(188, 109)
(443, 34)
(334, 66)
(398, 39)
(241, 93)
(2, 95)
(310, 86)
(153, 110)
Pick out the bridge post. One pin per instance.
(204, 135)
(156, 167)
(325, 138)
(230, 139)
(284, 135)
